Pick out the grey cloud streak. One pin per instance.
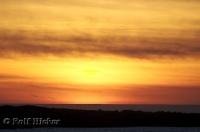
(6, 76)
(135, 47)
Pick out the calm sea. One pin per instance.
(131, 129)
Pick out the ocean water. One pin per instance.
(131, 129)
(145, 108)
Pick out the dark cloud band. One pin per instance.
(137, 47)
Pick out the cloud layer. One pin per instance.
(116, 27)
(123, 45)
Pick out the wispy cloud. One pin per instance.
(128, 46)
(6, 76)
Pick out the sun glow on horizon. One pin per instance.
(87, 51)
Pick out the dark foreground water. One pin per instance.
(131, 129)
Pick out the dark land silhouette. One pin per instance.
(95, 118)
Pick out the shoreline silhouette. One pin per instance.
(29, 116)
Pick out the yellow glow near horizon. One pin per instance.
(104, 71)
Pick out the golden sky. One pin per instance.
(107, 51)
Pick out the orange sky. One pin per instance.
(86, 51)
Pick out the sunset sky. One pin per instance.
(100, 52)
